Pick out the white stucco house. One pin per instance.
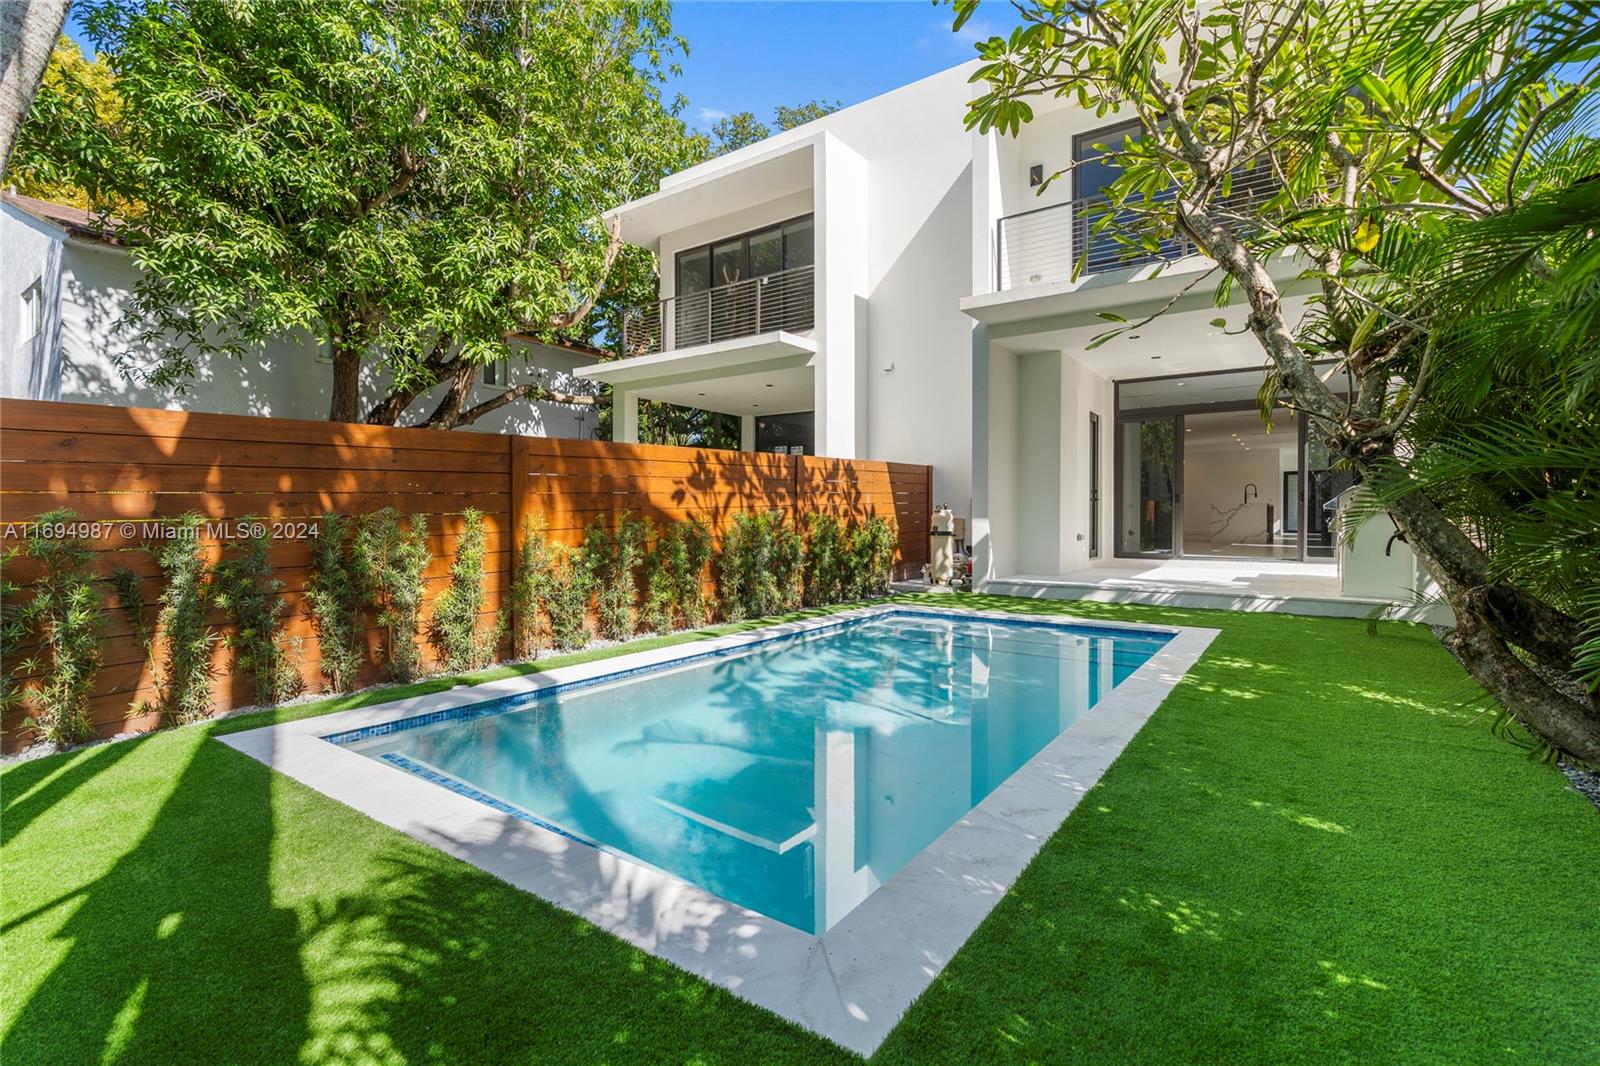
(66, 283)
(882, 283)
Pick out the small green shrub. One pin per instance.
(398, 556)
(825, 560)
(462, 643)
(788, 565)
(183, 675)
(340, 586)
(688, 554)
(66, 619)
(760, 569)
(611, 559)
(870, 566)
(245, 586)
(13, 630)
(661, 606)
(566, 598)
(531, 589)
(674, 577)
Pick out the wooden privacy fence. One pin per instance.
(117, 468)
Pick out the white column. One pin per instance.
(624, 416)
(747, 433)
(840, 208)
(978, 531)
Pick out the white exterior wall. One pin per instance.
(80, 354)
(843, 339)
(30, 251)
(1048, 503)
(892, 196)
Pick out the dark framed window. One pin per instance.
(711, 303)
(768, 250)
(1091, 173)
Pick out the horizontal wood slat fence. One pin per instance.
(116, 466)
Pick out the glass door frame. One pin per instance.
(1154, 414)
(1177, 415)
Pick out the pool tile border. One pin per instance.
(852, 983)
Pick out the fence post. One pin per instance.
(796, 478)
(521, 455)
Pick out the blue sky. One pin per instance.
(752, 55)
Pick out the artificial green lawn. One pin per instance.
(1313, 852)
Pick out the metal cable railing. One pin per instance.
(1049, 243)
(785, 300)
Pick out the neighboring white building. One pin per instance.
(66, 285)
(881, 283)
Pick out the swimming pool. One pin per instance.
(792, 776)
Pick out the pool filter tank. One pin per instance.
(942, 546)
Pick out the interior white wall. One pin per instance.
(85, 354)
(1214, 481)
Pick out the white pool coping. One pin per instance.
(852, 983)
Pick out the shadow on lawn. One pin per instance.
(176, 949)
(32, 788)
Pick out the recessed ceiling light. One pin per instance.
(1155, 357)
(769, 386)
(1133, 336)
(699, 394)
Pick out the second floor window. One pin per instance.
(786, 246)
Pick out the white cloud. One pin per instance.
(940, 36)
(709, 115)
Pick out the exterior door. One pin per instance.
(1094, 485)
(1150, 505)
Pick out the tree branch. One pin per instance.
(535, 392)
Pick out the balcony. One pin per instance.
(1078, 238)
(784, 301)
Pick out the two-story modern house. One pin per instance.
(882, 283)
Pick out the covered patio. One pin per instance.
(752, 377)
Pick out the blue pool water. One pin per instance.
(793, 777)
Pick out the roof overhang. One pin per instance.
(1068, 316)
(766, 373)
(715, 189)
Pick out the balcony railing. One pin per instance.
(785, 300)
(1049, 243)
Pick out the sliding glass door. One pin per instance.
(1200, 473)
(1147, 483)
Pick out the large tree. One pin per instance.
(415, 184)
(1430, 171)
(28, 31)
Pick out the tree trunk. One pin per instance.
(1491, 622)
(345, 404)
(1493, 618)
(459, 381)
(28, 32)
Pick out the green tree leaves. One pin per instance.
(410, 184)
